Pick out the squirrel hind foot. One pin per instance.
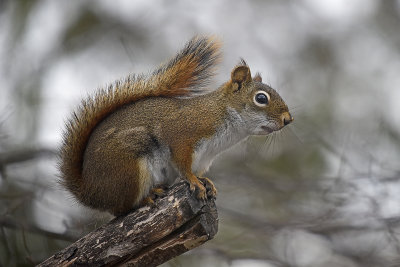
(155, 193)
(159, 191)
(147, 201)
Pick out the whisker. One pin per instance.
(296, 107)
(289, 129)
(252, 147)
(267, 143)
(273, 143)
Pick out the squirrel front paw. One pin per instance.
(203, 186)
(196, 186)
(210, 187)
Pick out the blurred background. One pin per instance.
(325, 191)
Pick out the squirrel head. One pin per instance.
(261, 108)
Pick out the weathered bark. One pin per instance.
(148, 236)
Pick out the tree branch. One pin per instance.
(148, 236)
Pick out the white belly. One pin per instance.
(229, 134)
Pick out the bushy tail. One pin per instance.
(185, 75)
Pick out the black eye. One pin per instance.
(261, 98)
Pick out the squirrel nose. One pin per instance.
(286, 118)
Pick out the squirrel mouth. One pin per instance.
(267, 129)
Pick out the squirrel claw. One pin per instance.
(202, 194)
(196, 185)
(192, 187)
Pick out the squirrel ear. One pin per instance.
(257, 78)
(240, 75)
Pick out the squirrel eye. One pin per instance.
(261, 98)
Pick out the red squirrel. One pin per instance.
(124, 143)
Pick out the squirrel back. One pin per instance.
(186, 75)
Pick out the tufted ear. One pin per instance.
(257, 78)
(240, 75)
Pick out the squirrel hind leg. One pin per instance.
(117, 187)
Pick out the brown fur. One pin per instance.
(185, 75)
